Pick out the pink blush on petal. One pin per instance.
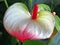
(23, 36)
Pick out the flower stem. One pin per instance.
(19, 43)
(6, 3)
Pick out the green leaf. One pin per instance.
(57, 23)
(13, 41)
(55, 40)
(34, 42)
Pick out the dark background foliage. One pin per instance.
(6, 39)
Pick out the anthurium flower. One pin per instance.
(24, 26)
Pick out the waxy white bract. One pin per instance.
(18, 19)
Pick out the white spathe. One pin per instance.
(17, 19)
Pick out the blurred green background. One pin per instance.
(6, 39)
